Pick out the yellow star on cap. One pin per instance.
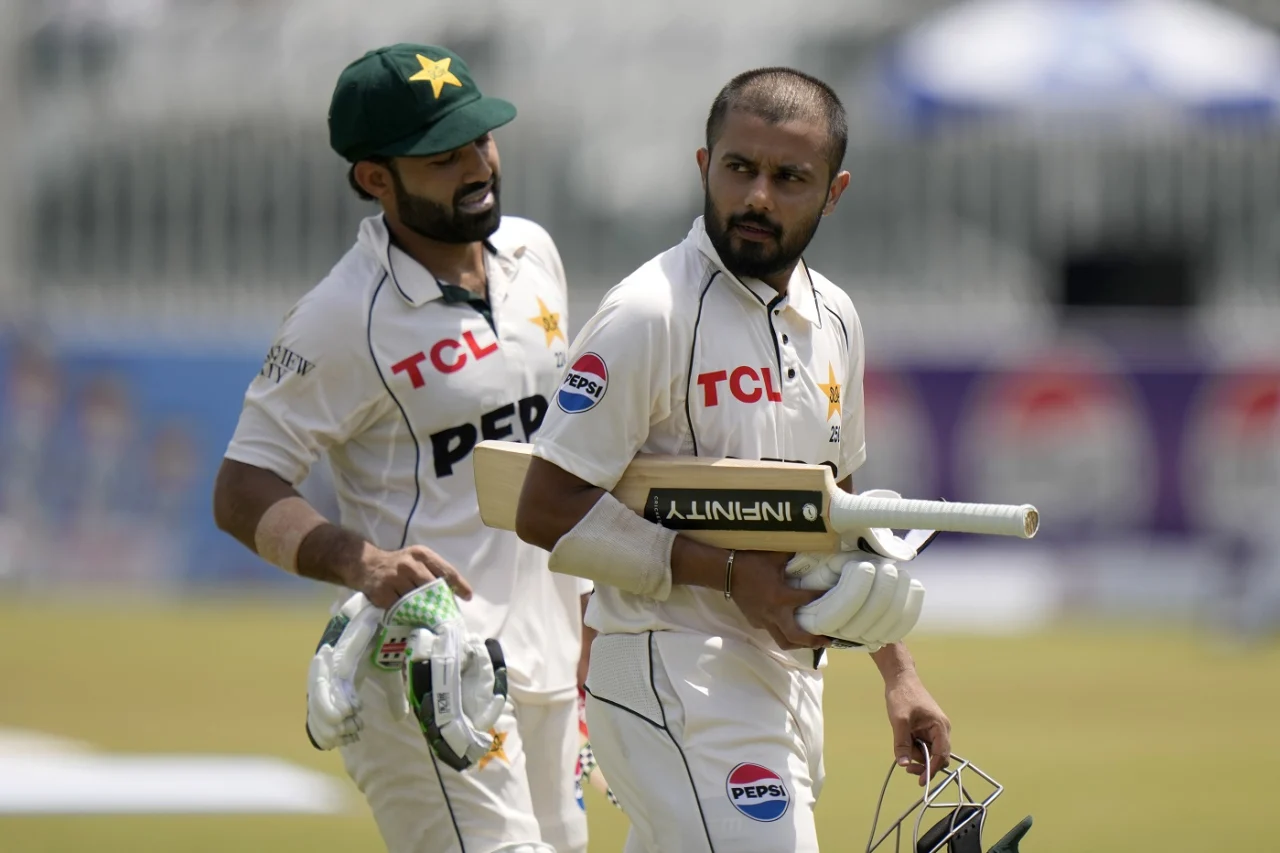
(495, 751)
(832, 389)
(549, 322)
(437, 73)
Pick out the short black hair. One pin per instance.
(777, 94)
(355, 185)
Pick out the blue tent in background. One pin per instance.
(1113, 58)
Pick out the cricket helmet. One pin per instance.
(961, 797)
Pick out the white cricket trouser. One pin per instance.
(709, 744)
(523, 793)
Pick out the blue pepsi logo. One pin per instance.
(584, 385)
(757, 792)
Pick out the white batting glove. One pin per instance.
(333, 706)
(870, 602)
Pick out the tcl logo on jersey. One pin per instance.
(746, 384)
(584, 385)
(446, 356)
(757, 792)
(451, 446)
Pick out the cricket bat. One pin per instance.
(747, 504)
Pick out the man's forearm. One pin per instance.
(244, 494)
(696, 564)
(894, 662)
(332, 554)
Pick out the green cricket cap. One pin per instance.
(409, 100)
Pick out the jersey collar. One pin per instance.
(800, 297)
(414, 282)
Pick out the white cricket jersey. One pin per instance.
(396, 377)
(684, 358)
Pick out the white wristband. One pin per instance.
(614, 546)
(281, 530)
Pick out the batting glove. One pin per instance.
(456, 683)
(333, 705)
(869, 601)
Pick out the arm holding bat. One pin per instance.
(609, 538)
(553, 503)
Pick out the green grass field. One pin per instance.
(1141, 741)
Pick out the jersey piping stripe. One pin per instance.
(693, 345)
(843, 329)
(752, 292)
(777, 348)
(707, 830)
(417, 449)
(839, 319)
(662, 727)
(813, 290)
(394, 280)
(768, 307)
(632, 711)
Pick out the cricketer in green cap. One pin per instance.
(416, 129)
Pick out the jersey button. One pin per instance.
(791, 373)
(785, 339)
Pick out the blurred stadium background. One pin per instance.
(1063, 238)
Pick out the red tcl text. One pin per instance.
(445, 357)
(746, 384)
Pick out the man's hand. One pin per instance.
(759, 587)
(914, 715)
(867, 602)
(386, 576)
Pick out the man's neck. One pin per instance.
(779, 280)
(461, 264)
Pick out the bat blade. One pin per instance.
(747, 504)
(728, 503)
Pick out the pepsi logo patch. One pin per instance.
(584, 385)
(757, 792)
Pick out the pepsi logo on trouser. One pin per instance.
(757, 792)
(584, 385)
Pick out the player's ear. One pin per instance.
(704, 161)
(838, 185)
(374, 178)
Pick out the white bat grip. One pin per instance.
(852, 512)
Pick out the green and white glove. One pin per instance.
(333, 706)
(455, 682)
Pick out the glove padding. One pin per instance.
(333, 705)
(455, 683)
(870, 602)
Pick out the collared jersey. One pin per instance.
(397, 376)
(684, 358)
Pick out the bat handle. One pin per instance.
(853, 512)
